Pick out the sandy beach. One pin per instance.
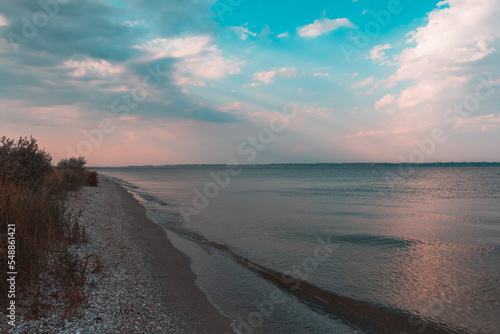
(145, 286)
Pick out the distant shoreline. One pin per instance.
(324, 165)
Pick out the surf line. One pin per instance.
(369, 317)
(364, 315)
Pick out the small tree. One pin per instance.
(23, 162)
(73, 163)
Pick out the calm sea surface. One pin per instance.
(425, 245)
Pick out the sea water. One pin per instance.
(417, 242)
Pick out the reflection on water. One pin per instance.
(428, 244)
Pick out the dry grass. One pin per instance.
(43, 227)
(40, 225)
(72, 275)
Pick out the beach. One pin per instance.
(143, 285)
(249, 167)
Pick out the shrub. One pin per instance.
(73, 163)
(91, 178)
(74, 174)
(31, 197)
(23, 162)
(73, 179)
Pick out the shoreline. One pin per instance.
(178, 286)
(144, 284)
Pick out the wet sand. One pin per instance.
(171, 269)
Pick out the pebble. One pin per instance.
(112, 295)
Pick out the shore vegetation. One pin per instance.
(32, 200)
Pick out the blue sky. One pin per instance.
(169, 82)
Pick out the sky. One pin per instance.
(136, 82)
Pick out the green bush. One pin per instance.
(73, 163)
(31, 198)
(22, 162)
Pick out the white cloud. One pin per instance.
(208, 65)
(385, 101)
(444, 56)
(201, 60)
(176, 47)
(283, 35)
(453, 38)
(242, 32)
(321, 74)
(323, 26)
(446, 50)
(266, 31)
(363, 83)
(266, 77)
(134, 23)
(91, 67)
(377, 53)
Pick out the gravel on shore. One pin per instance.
(125, 296)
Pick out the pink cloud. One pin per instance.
(3, 21)
(235, 106)
(298, 150)
(481, 123)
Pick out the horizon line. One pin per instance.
(477, 163)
